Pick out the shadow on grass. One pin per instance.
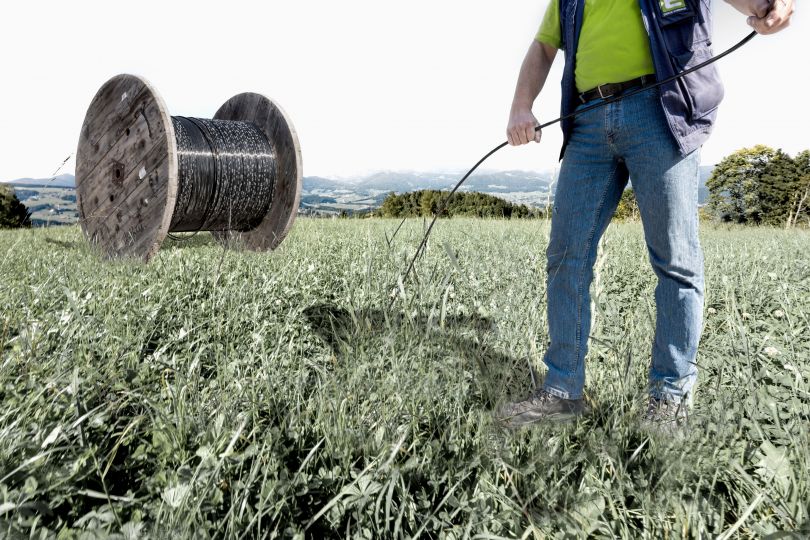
(190, 240)
(64, 244)
(467, 340)
(499, 376)
(801, 533)
(461, 336)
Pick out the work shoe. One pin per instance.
(666, 417)
(538, 407)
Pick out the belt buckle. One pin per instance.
(601, 95)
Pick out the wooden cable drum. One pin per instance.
(139, 176)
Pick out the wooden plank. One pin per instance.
(106, 120)
(143, 123)
(127, 169)
(149, 181)
(129, 229)
(139, 139)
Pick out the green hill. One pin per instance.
(426, 203)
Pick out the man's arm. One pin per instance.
(533, 74)
(765, 16)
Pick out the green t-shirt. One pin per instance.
(613, 45)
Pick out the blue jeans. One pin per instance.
(609, 144)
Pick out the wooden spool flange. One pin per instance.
(127, 171)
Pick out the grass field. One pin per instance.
(228, 394)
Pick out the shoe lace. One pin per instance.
(653, 409)
(659, 410)
(539, 396)
(534, 400)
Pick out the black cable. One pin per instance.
(226, 175)
(607, 101)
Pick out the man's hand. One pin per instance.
(532, 77)
(521, 128)
(775, 19)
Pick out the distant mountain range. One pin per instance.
(400, 182)
(333, 196)
(62, 181)
(506, 181)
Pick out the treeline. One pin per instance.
(13, 213)
(428, 202)
(761, 186)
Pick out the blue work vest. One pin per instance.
(680, 33)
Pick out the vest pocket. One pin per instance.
(683, 30)
(703, 91)
(674, 11)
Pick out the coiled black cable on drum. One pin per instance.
(226, 175)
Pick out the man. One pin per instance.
(655, 137)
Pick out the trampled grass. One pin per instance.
(228, 394)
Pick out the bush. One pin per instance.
(13, 213)
(628, 208)
(426, 203)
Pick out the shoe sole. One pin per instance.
(556, 418)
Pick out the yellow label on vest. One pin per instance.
(672, 6)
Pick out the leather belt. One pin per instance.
(611, 89)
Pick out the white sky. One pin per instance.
(370, 84)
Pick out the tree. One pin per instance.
(800, 203)
(392, 205)
(749, 185)
(426, 203)
(628, 207)
(13, 213)
(780, 182)
(429, 202)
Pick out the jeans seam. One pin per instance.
(680, 388)
(611, 126)
(587, 258)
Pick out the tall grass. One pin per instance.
(229, 394)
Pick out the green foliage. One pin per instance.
(13, 213)
(235, 395)
(799, 204)
(628, 207)
(426, 203)
(704, 214)
(757, 185)
(780, 183)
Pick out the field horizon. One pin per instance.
(229, 394)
